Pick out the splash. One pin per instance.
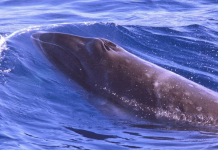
(2, 44)
(3, 47)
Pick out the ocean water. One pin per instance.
(40, 108)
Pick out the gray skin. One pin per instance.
(103, 67)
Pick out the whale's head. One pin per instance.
(85, 60)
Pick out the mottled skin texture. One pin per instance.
(103, 67)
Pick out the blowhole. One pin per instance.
(106, 47)
(109, 45)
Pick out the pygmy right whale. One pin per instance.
(103, 67)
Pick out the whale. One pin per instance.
(150, 91)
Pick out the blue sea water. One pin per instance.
(40, 108)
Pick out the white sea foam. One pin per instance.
(2, 43)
